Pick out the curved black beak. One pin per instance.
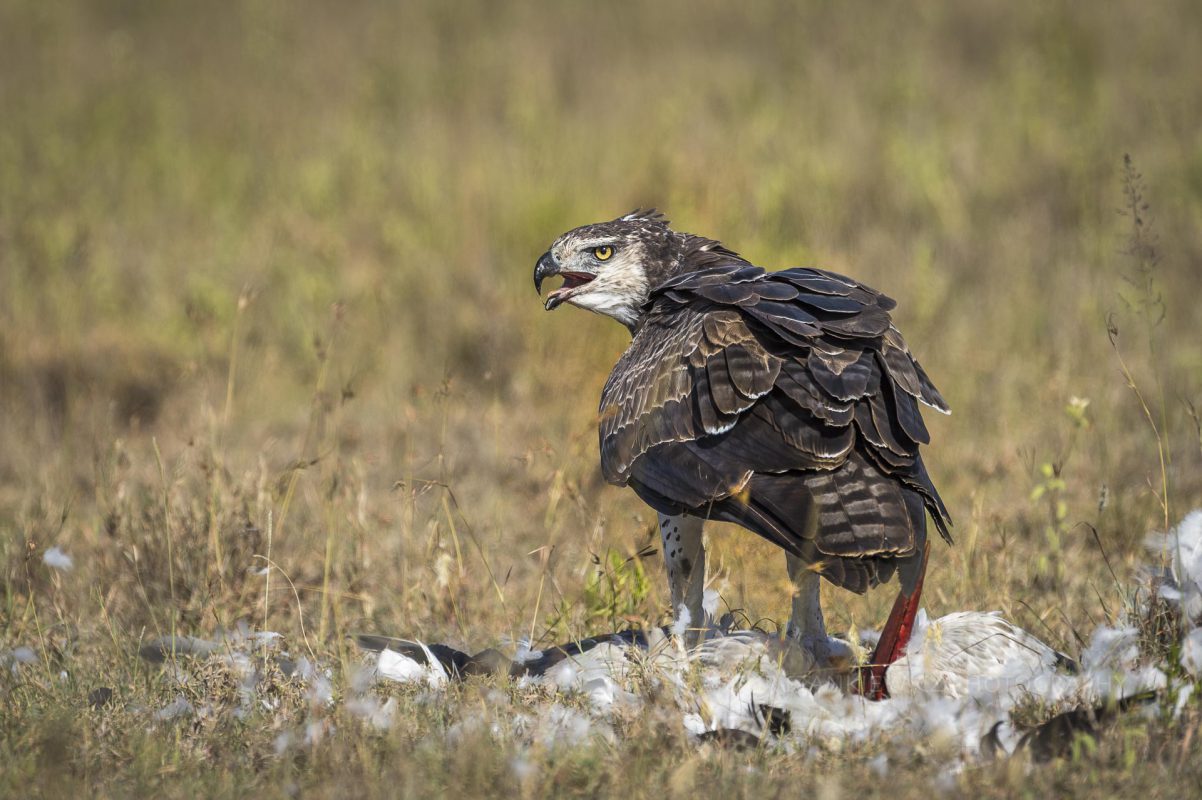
(544, 268)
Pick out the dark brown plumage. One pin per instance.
(750, 397)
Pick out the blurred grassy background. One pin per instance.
(275, 257)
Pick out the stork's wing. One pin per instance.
(754, 396)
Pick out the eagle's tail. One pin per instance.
(855, 524)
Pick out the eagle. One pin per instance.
(785, 402)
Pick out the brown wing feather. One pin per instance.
(712, 359)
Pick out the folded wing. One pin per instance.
(786, 402)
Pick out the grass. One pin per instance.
(265, 294)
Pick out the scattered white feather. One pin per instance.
(319, 689)
(363, 677)
(523, 768)
(1111, 648)
(178, 707)
(1182, 549)
(684, 620)
(945, 782)
(560, 726)
(264, 638)
(1184, 694)
(316, 730)
(959, 679)
(524, 653)
(283, 742)
(1191, 652)
(960, 676)
(369, 708)
(55, 558)
(24, 655)
(694, 725)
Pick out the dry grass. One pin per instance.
(265, 293)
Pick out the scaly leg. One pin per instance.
(684, 556)
(806, 625)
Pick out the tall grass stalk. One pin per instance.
(267, 576)
(1142, 249)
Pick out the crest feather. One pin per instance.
(649, 215)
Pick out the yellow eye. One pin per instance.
(603, 253)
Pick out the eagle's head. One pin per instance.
(612, 267)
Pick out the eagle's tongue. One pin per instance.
(570, 281)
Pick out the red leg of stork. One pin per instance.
(894, 638)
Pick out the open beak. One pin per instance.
(546, 267)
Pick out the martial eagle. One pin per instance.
(785, 402)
